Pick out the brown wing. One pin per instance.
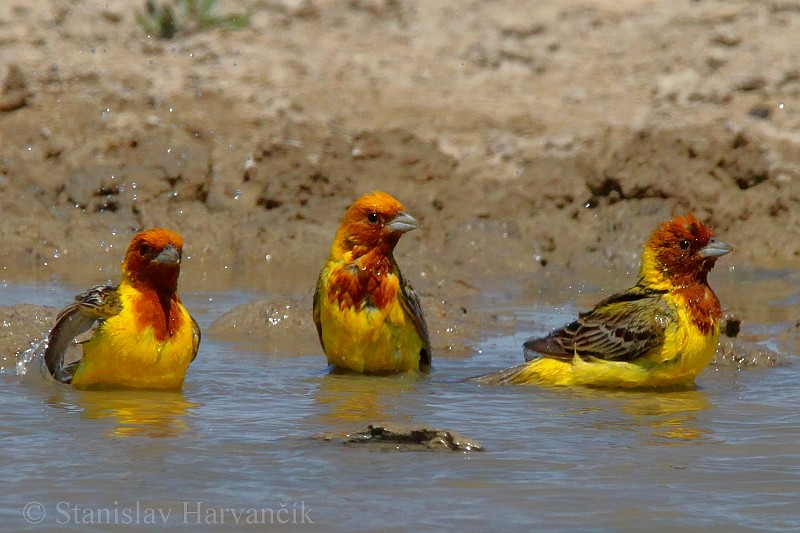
(411, 304)
(196, 336)
(317, 295)
(622, 327)
(89, 309)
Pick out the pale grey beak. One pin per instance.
(715, 248)
(402, 223)
(169, 256)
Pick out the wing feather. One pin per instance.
(320, 290)
(622, 327)
(411, 304)
(90, 308)
(196, 336)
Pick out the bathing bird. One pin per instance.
(661, 332)
(135, 335)
(368, 317)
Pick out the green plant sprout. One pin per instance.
(167, 19)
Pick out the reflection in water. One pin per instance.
(369, 399)
(671, 416)
(133, 413)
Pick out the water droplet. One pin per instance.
(780, 106)
(268, 258)
(104, 115)
(35, 348)
(237, 194)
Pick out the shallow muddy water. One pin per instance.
(234, 451)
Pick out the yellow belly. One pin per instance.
(369, 340)
(118, 357)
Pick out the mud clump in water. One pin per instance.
(283, 325)
(401, 438)
(739, 352)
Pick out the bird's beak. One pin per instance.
(169, 256)
(402, 223)
(715, 248)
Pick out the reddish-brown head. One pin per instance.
(153, 259)
(681, 251)
(374, 221)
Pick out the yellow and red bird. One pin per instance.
(662, 332)
(368, 318)
(143, 337)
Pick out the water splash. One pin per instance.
(31, 357)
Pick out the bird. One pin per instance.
(368, 317)
(140, 336)
(660, 333)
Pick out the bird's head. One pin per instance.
(681, 251)
(153, 259)
(374, 221)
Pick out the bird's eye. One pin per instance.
(372, 217)
(685, 244)
(144, 249)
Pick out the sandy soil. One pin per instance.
(531, 140)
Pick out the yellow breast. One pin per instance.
(367, 339)
(124, 355)
(685, 352)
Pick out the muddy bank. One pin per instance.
(538, 145)
(519, 137)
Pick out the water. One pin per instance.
(725, 455)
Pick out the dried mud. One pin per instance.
(534, 142)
